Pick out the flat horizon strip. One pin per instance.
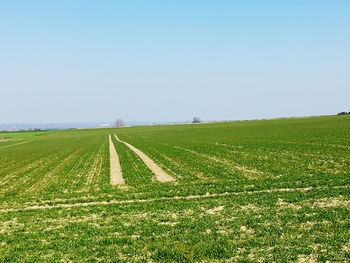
(116, 174)
(161, 176)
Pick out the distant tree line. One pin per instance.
(30, 129)
(343, 113)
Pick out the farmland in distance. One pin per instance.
(245, 191)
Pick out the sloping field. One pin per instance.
(248, 191)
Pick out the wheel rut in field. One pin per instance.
(170, 198)
(116, 173)
(159, 172)
(11, 145)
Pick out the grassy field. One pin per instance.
(247, 191)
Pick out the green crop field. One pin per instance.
(245, 191)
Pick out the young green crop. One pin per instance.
(247, 191)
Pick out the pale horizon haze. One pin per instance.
(85, 61)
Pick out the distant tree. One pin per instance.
(119, 123)
(196, 120)
(343, 113)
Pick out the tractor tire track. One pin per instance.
(130, 201)
(116, 173)
(159, 172)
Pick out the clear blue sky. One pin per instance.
(70, 60)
